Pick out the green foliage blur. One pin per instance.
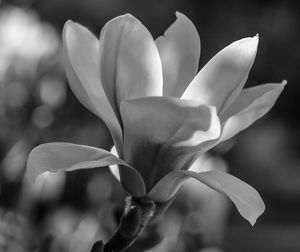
(69, 212)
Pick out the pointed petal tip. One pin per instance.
(182, 17)
(122, 19)
(65, 31)
(69, 21)
(249, 43)
(70, 27)
(254, 40)
(68, 24)
(178, 14)
(252, 219)
(247, 46)
(126, 17)
(281, 85)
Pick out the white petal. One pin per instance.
(170, 120)
(246, 198)
(81, 50)
(163, 133)
(114, 168)
(251, 104)
(69, 157)
(221, 80)
(130, 66)
(179, 50)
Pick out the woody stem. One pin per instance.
(138, 212)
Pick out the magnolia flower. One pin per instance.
(161, 114)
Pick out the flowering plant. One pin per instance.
(161, 113)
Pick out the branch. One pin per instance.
(138, 212)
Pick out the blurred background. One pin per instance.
(67, 212)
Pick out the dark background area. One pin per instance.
(37, 106)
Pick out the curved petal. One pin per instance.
(69, 157)
(246, 198)
(221, 80)
(80, 48)
(179, 50)
(252, 104)
(163, 133)
(130, 66)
